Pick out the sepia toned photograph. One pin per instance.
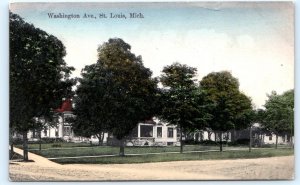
(151, 91)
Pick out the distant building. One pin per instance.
(60, 127)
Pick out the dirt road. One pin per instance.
(262, 168)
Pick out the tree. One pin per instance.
(39, 77)
(230, 108)
(279, 114)
(116, 93)
(181, 99)
(90, 119)
(252, 116)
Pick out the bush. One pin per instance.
(56, 145)
(239, 142)
(17, 141)
(52, 140)
(209, 142)
(191, 142)
(233, 143)
(243, 141)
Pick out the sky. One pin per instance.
(254, 41)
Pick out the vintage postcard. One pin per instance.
(123, 91)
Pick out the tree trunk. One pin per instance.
(40, 140)
(209, 135)
(227, 136)
(221, 144)
(181, 142)
(11, 150)
(25, 146)
(11, 144)
(250, 139)
(291, 142)
(276, 141)
(122, 148)
(234, 135)
(201, 136)
(215, 136)
(102, 138)
(263, 139)
(107, 138)
(99, 139)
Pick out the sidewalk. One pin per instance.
(38, 160)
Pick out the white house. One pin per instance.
(153, 133)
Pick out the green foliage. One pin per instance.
(182, 101)
(278, 116)
(239, 142)
(231, 108)
(39, 77)
(115, 93)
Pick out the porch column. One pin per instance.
(139, 132)
(60, 130)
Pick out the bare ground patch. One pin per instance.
(239, 169)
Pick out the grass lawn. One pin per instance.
(181, 157)
(60, 150)
(109, 150)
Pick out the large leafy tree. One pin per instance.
(39, 77)
(181, 102)
(117, 92)
(231, 108)
(90, 119)
(279, 114)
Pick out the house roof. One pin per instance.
(66, 106)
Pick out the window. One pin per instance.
(146, 131)
(45, 132)
(270, 138)
(67, 118)
(226, 136)
(170, 132)
(67, 131)
(56, 133)
(159, 131)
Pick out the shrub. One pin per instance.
(56, 145)
(209, 142)
(17, 141)
(191, 142)
(52, 140)
(243, 141)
